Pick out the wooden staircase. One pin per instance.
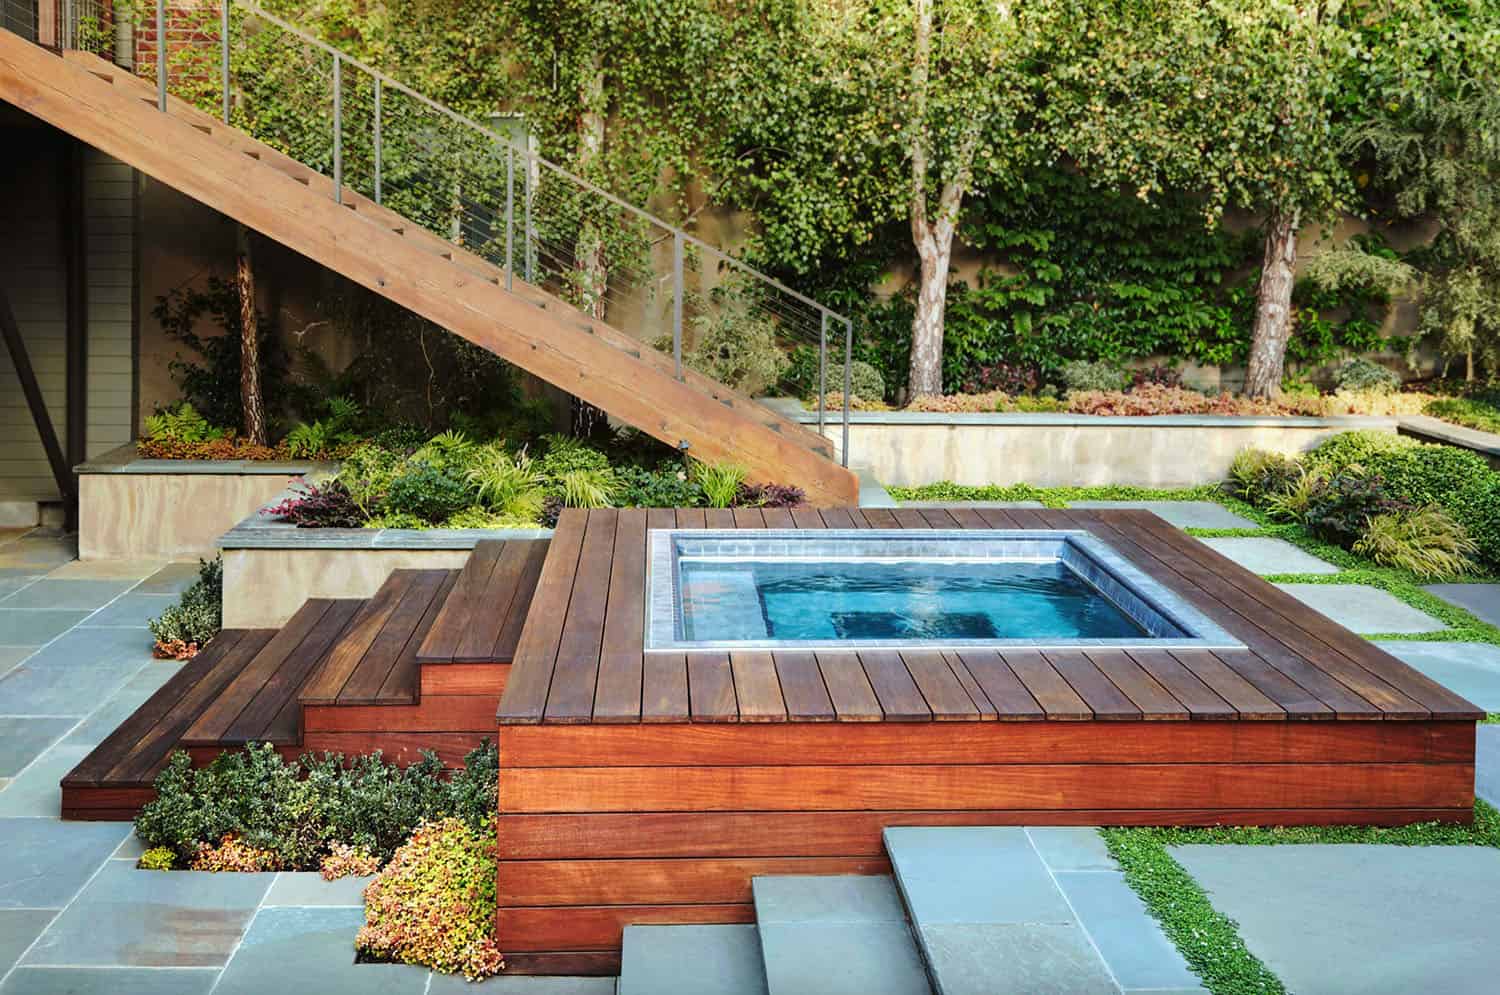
(419, 666)
(286, 201)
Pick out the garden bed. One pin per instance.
(908, 449)
(134, 508)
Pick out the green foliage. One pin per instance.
(510, 486)
(586, 488)
(1350, 448)
(296, 811)
(198, 615)
(1471, 412)
(737, 347)
(720, 482)
(338, 428)
(865, 382)
(1098, 375)
(182, 423)
(158, 858)
(565, 454)
(1340, 505)
(434, 904)
(1425, 541)
(1364, 374)
(1257, 474)
(667, 486)
(429, 493)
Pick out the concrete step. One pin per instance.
(989, 916)
(691, 960)
(836, 935)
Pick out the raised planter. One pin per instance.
(133, 508)
(1428, 429)
(271, 568)
(907, 449)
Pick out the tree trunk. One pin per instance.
(588, 250)
(252, 405)
(1273, 308)
(935, 252)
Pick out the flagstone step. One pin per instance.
(691, 960)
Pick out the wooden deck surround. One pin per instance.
(650, 788)
(407, 670)
(198, 155)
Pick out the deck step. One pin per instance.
(989, 916)
(691, 960)
(836, 935)
(481, 619)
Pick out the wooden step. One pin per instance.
(482, 618)
(557, 342)
(374, 661)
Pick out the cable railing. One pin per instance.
(485, 188)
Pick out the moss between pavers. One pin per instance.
(1210, 940)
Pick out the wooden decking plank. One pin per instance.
(1290, 696)
(718, 518)
(939, 518)
(804, 517)
(617, 696)
(1429, 695)
(1199, 700)
(994, 682)
(967, 518)
(1028, 518)
(1056, 696)
(453, 622)
(711, 688)
(215, 720)
(802, 687)
(749, 518)
(486, 607)
(1154, 701)
(837, 518)
(971, 687)
(1259, 630)
(880, 518)
(894, 688)
(403, 684)
(757, 687)
(945, 695)
(274, 714)
(151, 749)
(117, 744)
(340, 663)
(525, 698)
(910, 518)
(664, 683)
(1104, 699)
(997, 518)
(384, 655)
(692, 518)
(581, 644)
(1248, 700)
(504, 650)
(779, 518)
(848, 688)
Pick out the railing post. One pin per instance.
(224, 54)
(677, 302)
(510, 212)
(377, 139)
(848, 376)
(338, 129)
(822, 368)
(530, 233)
(161, 55)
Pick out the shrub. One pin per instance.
(345, 861)
(396, 520)
(434, 904)
(720, 482)
(427, 492)
(1472, 412)
(738, 349)
(552, 507)
(1007, 378)
(186, 627)
(769, 496)
(299, 811)
(1256, 474)
(865, 382)
(233, 854)
(1425, 541)
(1346, 448)
(586, 488)
(1477, 509)
(479, 517)
(1290, 504)
(1364, 374)
(449, 451)
(1340, 508)
(668, 486)
(1097, 375)
(509, 485)
(1427, 474)
(565, 454)
(158, 858)
(1159, 374)
(329, 505)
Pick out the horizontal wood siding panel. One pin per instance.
(661, 882)
(600, 927)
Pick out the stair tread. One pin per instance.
(691, 960)
(481, 619)
(988, 914)
(836, 934)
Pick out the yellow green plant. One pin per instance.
(510, 486)
(1425, 541)
(720, 482)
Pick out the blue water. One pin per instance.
(931, 599)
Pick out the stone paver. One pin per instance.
(141, 918)
(307, 888)
(1183, 514)
(71, 675)
(23, 739)
(33, 628)
(66, 595)
(170, 579)
(691, 960)
(311, 950)
(132, 610)
(18, 928)
(1469, 669)
(450, 984)
(1361, 919)
(836, 935)
(43, 863)
(1483, 600)
(36, 792)
(1132, 943)
(110, 981)
(1268, 555)
(1487, 763)
(131, 570)
(122, 704)
(1362, 608)
(1071, 848)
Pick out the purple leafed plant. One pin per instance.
(769, 496)
(328, 506)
